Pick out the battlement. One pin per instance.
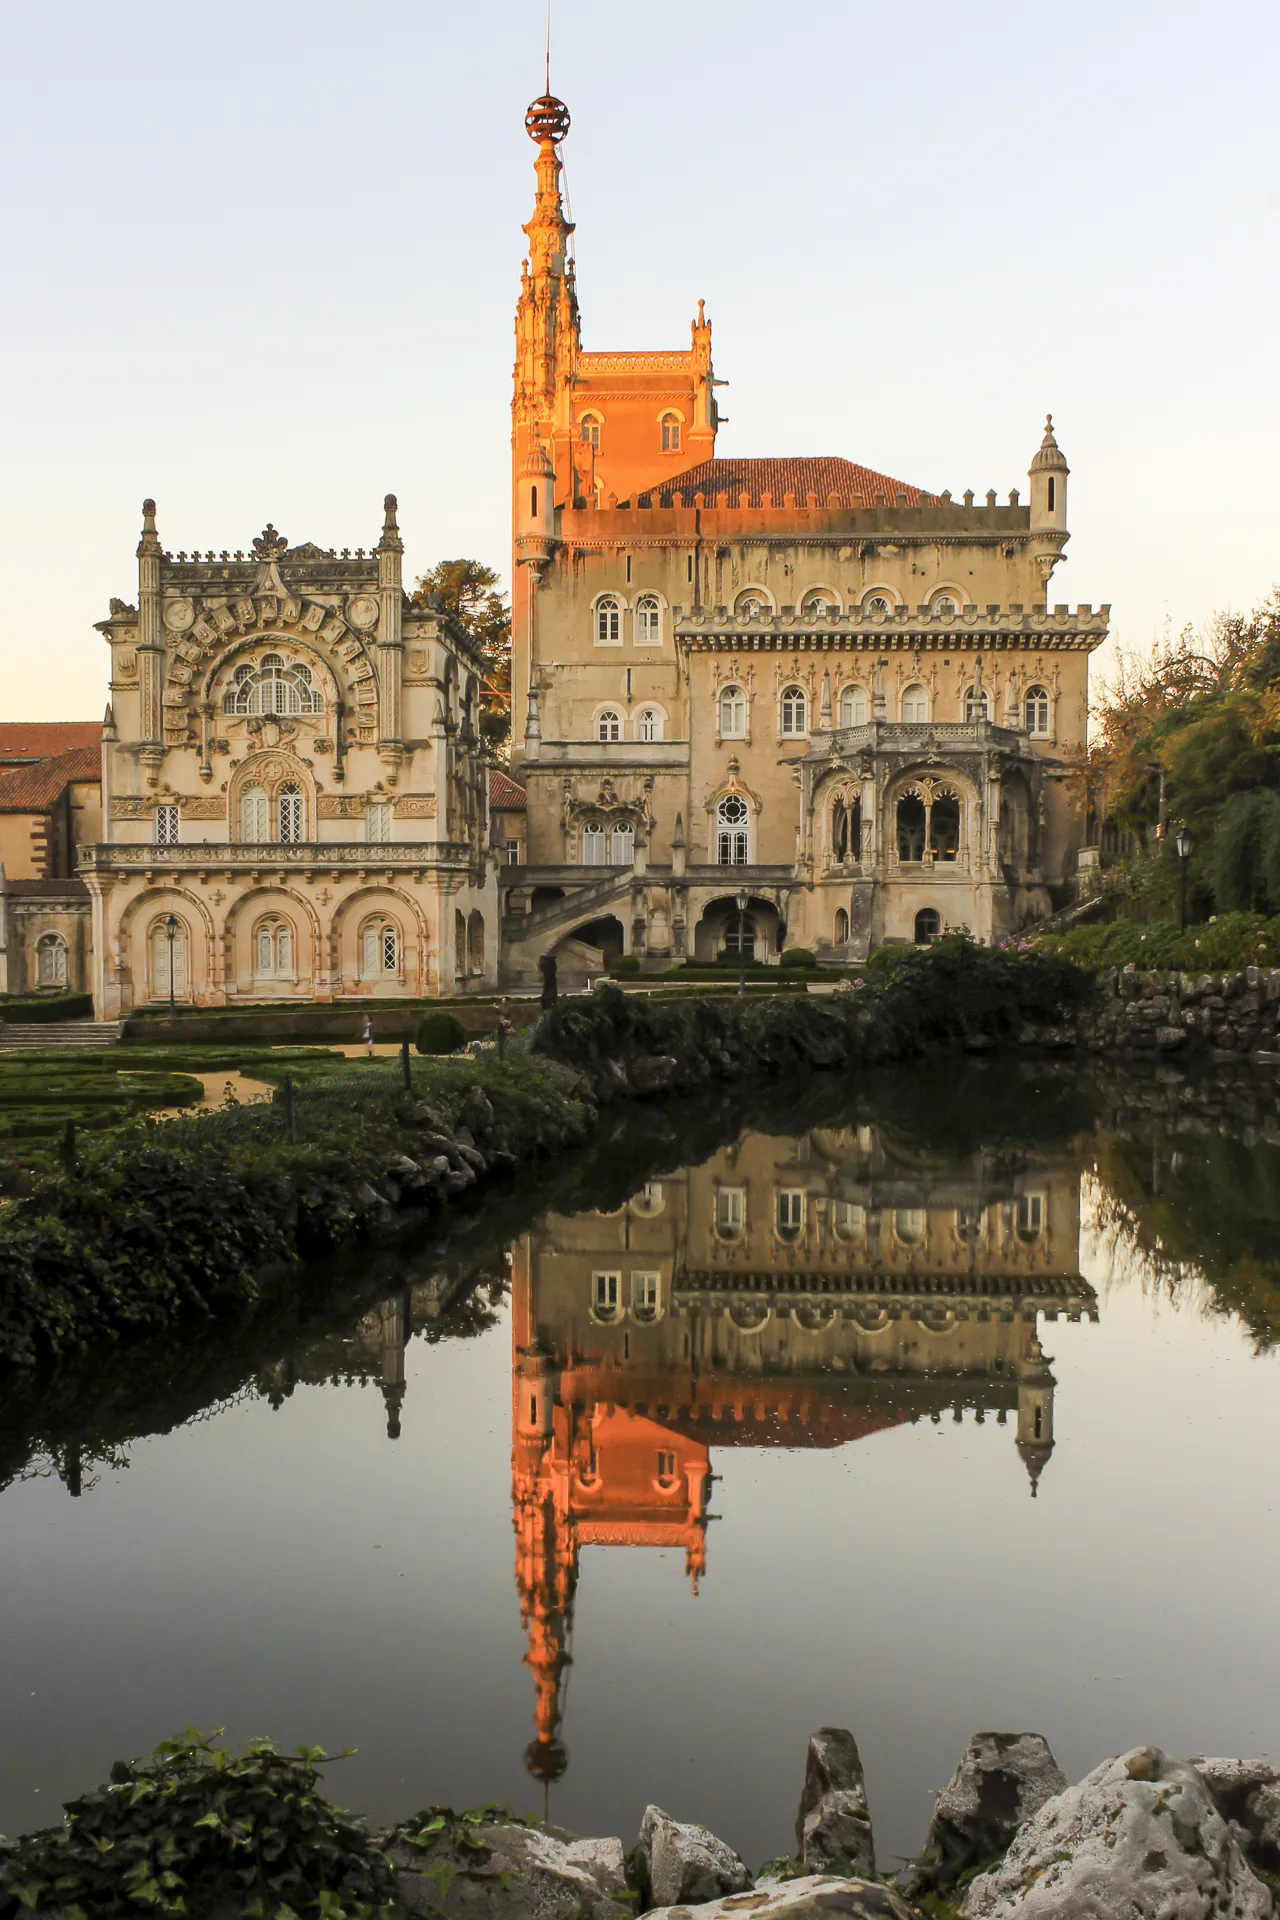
(663, 515)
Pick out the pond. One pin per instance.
(945, 1401)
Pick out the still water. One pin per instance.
(947, 1402)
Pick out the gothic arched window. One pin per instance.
(732, 816)
(379, 948)
(290, 814)
(51, 960)
(590, 431)
(1036, 707)
(622, 848)
(273, 686)
(670, 424)
(733, 714)
(853, 707)
(795, 710)
(273, 949)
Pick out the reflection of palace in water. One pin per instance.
(788, 1293)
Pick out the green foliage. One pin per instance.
(626, 964)
(440, 1032)
(198, 1829)
(1243, 860)
(1230, 941)
(469, 591)
(783, 1866)
(35, 1009)
(798, 957)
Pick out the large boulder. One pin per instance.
(677, 1864)
(1139, 1839)
(815, 1897)
(833, 1824)
(502, 1871)
(1247, 1795)
(1002, 1779)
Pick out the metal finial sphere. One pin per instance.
(547, 119)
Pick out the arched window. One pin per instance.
(646, 1295)
(609, 621)
(459, 945)
(732, 816)
(846, 829)
(254, 816)
(910, 819)
(795, 709)
(168, 961)
(475, 943)
(379, 949)
(733, 713)
(853, 707)
(752, 605)
(670, 424)
(848, 1219)
(609, 725)
(648, 621)
(977, 705)
(842, 927)
(606, 1295)
(945, 604)
(379, 822)
(51, 960)
(649, 725)
(817, 606)
(928, 926)
(908, 1224)
(591, 431)
(593, 844)
(290, 814)
(273, 686)
(622, 847)
(877, 606)
(273, 949)
(915, 706)
(1037, 711)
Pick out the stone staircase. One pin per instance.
(578, 906)
(34, 1036)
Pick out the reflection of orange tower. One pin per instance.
(584, 1472)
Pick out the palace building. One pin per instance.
(294, 803)
(796, 678)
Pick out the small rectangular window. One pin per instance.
(629, 558)
(166, 826)
(1051, 493)
(379, 821)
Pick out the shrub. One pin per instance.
(198, 1829)
(625, 964)
(1231, 940)
(798, 957)
(50, 1006)
(440, 1032)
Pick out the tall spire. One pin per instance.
(547, 330)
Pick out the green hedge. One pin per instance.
(440, 1032)
(1229, 941)
(798, 957)
(35, 1009)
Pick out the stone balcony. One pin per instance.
(342, 856)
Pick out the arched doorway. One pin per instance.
(716, 935)
(928, 926)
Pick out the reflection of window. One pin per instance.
(909, 1224)
(648, 621)
(645, 1289)
(289, 811)
(731, 1207)
(273, 686)
(733, 714)
(273, 950)
(378, 821)
(593, 844)
(1037, 711)
(253, 815)
(731, 831)
(606, 1293)
(670, 433)
(666, 1469)
(608, 621)
(915, 706)
(609, 725)
(649, 1200)
(790, 1213)
(167, 826)
(794, 710)
(848, 1219)
(51, 960)
(1030, 1216)
(853, 707)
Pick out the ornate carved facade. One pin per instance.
(846, 695)
(294, 802)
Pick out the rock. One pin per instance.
(813, 1897)
(402, 1166)
(477, 1111)
(653, 1072)
(1139, 1839)
(1247, 1795)
(425, 1115)
(682, 1864)
(833, 1825)
(516, 1873)
(565, 1079)
(366, 1196)
(472, 1157)
(1168, 1039)
(1001, 1781)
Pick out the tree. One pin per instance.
(470, 591)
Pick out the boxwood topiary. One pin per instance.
(626, 963)
(440, 1032)
(798, 957)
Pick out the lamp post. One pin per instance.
(742, 935)
(1183, 843)
(171, 931)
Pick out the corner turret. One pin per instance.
(1048, 476)
(1035, 1412)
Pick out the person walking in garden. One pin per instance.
(366, 1035)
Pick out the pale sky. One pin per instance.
(261, 261)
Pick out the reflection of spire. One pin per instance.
(1035, 1412)
(394, 1315)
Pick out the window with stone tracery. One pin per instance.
(732, 816)
(609, 725)
(167, 826)
(273, 686)
(380, 949)
(818, 606)
(752, 605)
(290, 815)
(670, 424)
(379, 822)
(51, 960)
(592, 844)
(590, 431)
(273, 949)
(977, 705)
(649, 725)
(254, 815)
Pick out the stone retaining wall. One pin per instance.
(1223, 1015)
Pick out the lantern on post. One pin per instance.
(171, 929)
(1183, 842)
(742, 904)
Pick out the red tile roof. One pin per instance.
(506, 794)
(852, 485)
(42, 739)
(36, 788)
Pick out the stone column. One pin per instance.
(150, 634)
(390, 637)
